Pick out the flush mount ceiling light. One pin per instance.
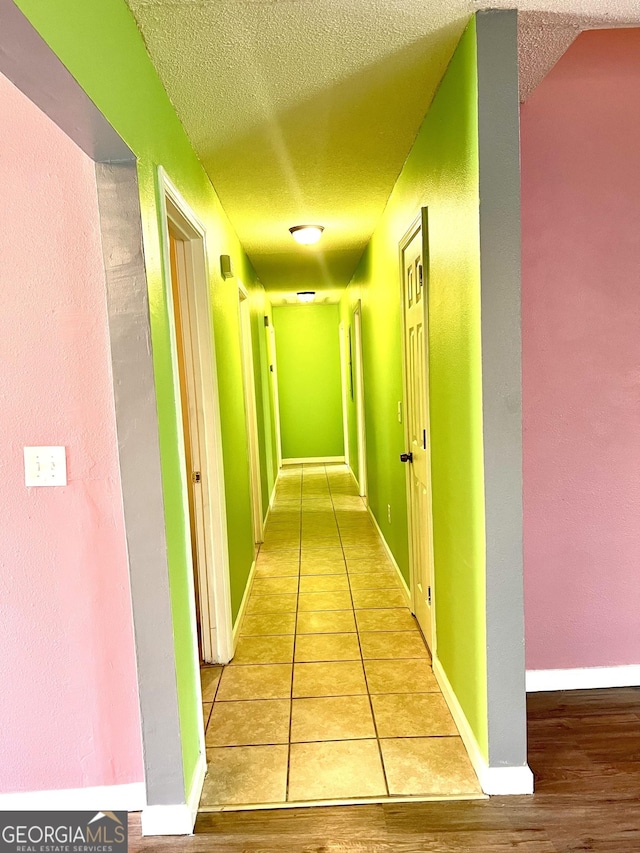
(306, 295)
(306, 235)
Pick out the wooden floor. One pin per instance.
(584, 749)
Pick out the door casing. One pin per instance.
(214, 593)
(251, 417)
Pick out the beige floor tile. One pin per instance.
(277, 570)
(278, 559)
(255, 682)
(368, 598)
(284, 546)
(358, 540)
(340, 678)
(393, 644)
(331, 718)
(249, 723)
(326, 647)
(206, 710)
(274, 586)
(326, 622)
(400, 676)
(340, 600)
(368, 565)
(246, 775)
(364, 551)
(374, 580)
(411, 715)
(319, 564)
(272, 604)
(431, 766)
(318, 550)
(209, 678)
(253, 650)
(346, 769)
(394, 619)
(268, 624)
(324, 583)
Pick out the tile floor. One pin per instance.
(330, 696)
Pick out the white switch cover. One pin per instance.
(45, 466)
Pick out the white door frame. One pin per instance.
(251, 416)
(276, 397)
(359, 394)
(420, 222)
(343, 374)
(214, 593)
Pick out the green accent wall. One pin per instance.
(441, 172)
(99, 43)
(309, 381)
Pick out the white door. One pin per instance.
(273, 372)
(343, 375)
(248, 377)
(417, 454)
(359, 392)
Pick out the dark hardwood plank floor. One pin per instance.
(584, 749)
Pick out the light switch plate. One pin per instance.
(45, 466)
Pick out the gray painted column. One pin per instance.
(499, 154)
(139, 454)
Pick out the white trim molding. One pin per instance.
(313, 460)
(178, 819)
(586, 678)
(493, 780)
(129, 797)
(403, 583)
(243, 605)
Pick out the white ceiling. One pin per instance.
(305, 110)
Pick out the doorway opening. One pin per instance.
(415, 295)
(344, 386)
(248, 383)
(358, 369)
(197, 410)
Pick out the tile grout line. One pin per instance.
(295, 635)
(364, 670)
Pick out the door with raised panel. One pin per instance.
(417, 451)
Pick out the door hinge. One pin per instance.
(429, 595)
(196, 477)
(424, 439)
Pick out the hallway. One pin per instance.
(330, 696)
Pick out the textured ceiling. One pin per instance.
(305, 110)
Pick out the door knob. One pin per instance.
(406, 457)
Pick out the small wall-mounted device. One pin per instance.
(45, 466)
(225, 266)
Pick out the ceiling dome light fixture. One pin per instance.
(306, 295)
(306, 235)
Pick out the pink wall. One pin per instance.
(68, 695)
(581, 356)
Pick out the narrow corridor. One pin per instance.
(330, 696)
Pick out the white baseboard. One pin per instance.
(403, 583)
(272, 500)
(177, 819)
(313, 460)
(587, 678)
(167, 820)
(115, 798)
(243, 605)
(493, 780)
(353, 477)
